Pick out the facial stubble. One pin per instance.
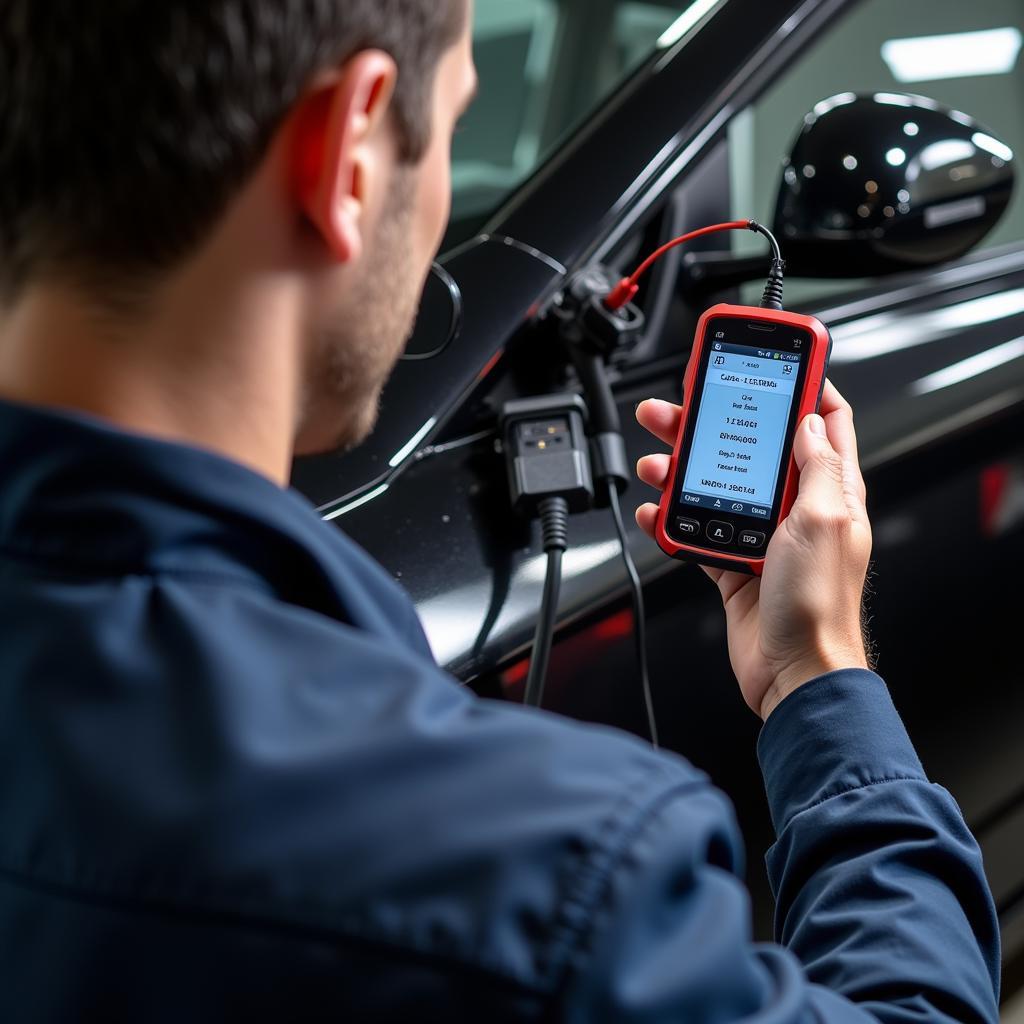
(357, 353)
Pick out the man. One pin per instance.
(234, 785)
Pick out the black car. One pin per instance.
(606, 127)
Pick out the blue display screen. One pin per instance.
(740, 432)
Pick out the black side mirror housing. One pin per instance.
(885, 182)
(876, 184)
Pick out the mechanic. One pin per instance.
(234, 783)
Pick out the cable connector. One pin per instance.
(587, 320)
(772, 298)
(547, 452)
(625, 291)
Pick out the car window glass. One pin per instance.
(544, 65)
(966, 56)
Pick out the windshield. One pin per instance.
(544, 65)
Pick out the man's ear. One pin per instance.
(334, 128)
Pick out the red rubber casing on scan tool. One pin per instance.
(810, 400)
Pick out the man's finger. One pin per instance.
(838, 417)
(821, 469)
(831, 399)
(660, 418)
(842, 435)
(653, 470)
(646, 517)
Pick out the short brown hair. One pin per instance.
(126, 126)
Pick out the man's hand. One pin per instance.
(802, 618)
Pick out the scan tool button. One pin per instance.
(751, 539)
(688, 527)
(720, 533)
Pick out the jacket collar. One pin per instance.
(80, 496)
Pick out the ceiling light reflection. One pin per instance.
(686, 21)
(897, 99)
(955, 55)
(993, 146)
(948, 151)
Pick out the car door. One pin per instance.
(692, 128)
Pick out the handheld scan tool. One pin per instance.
(754, 374)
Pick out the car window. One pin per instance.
(544, 65)
(966, 56)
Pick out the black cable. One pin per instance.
(544, 637)
(611, 466)
(772, 240)
(454, 324)
(773, 289)
(639, 612)
(554, 513)
(601, 405)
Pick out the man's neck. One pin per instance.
(211, 363)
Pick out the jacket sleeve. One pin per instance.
(883, 914)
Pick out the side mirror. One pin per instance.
(876, 184)
(888, 182)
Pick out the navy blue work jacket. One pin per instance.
(235, 786)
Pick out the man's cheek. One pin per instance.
(436, 200)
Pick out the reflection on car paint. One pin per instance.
(885, 333)
(973, 366)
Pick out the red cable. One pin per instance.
(627, 288)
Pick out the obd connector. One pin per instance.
(547, 452)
